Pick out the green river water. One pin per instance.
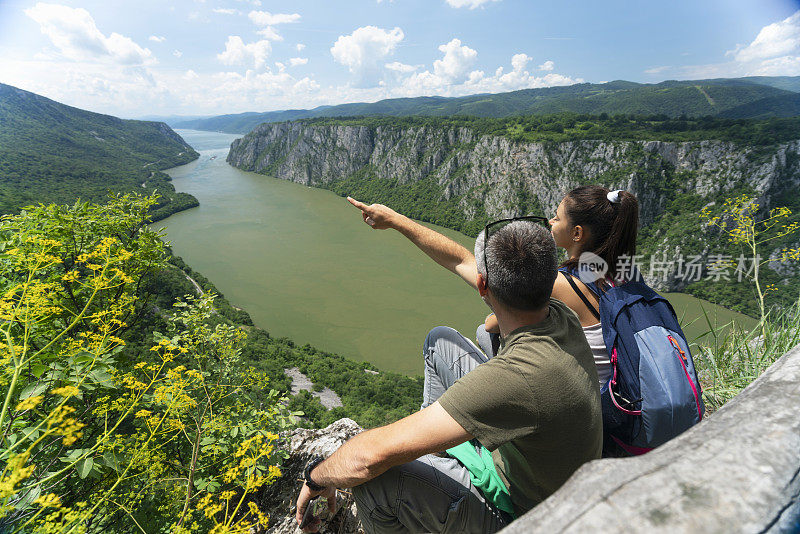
(304, 265)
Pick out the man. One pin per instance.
(536, 404)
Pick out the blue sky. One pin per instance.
(193, 57)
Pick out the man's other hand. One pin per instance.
(304, 501)
(378, 216)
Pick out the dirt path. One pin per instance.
(197, 287)
(710, 100)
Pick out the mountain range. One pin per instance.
(750, 97)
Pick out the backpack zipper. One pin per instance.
(684, 361)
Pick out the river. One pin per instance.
(304, 265)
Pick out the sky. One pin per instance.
(210, 57)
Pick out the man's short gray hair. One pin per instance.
(522, 264)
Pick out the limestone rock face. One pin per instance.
(501, 178)
(278, 500)
(462, 161)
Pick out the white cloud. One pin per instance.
(295, 61)
(457, 61)
(458, 80)
(402, 67)
(281, 66)
(363, 51)
(306, 85)
(520, 61)
(777, 39)
(74, 33)
(656, 70)
(775, 51)
(105, 87)
(265, 18)
(472, 4)
(300, 47)
(177, 53)
(223, 11)
(266, 90)
(779, 66)
(191, 75)
(157, 38)
(547, 66)
(237, 52)
(270, 34)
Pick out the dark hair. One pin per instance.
(612, 225)
(522, 262)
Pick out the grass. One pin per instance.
(731, 357)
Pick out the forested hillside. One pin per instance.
(754, 97)
(50, 152)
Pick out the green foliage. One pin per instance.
(52, 153)
(733, 360)
(370, 399)
(167, 432)
(564, 127)
(729, 362)
(421, 200)
(758, 96)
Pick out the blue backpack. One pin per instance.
(653, 394)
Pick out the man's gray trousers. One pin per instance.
(432, 493)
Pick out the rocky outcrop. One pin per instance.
(300, 382)
(278, 500)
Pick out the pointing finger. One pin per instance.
(356, 203)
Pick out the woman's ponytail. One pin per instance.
(621, 239)
(612, 218)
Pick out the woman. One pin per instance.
(592, 219)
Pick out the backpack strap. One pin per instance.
(589, 305)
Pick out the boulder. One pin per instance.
(278, 500)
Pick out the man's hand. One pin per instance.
(378, 216)
(304, 501)
(441, 249)
(491, 325)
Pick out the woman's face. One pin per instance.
(560, 227)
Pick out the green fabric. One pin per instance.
(536, 406)
(484, 475)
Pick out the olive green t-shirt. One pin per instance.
(536, 405)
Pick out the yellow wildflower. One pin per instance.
(51, 500)
(30, 403)
(66, 391)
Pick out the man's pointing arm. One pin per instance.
(441, 249)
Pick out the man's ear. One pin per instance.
(482, 287)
